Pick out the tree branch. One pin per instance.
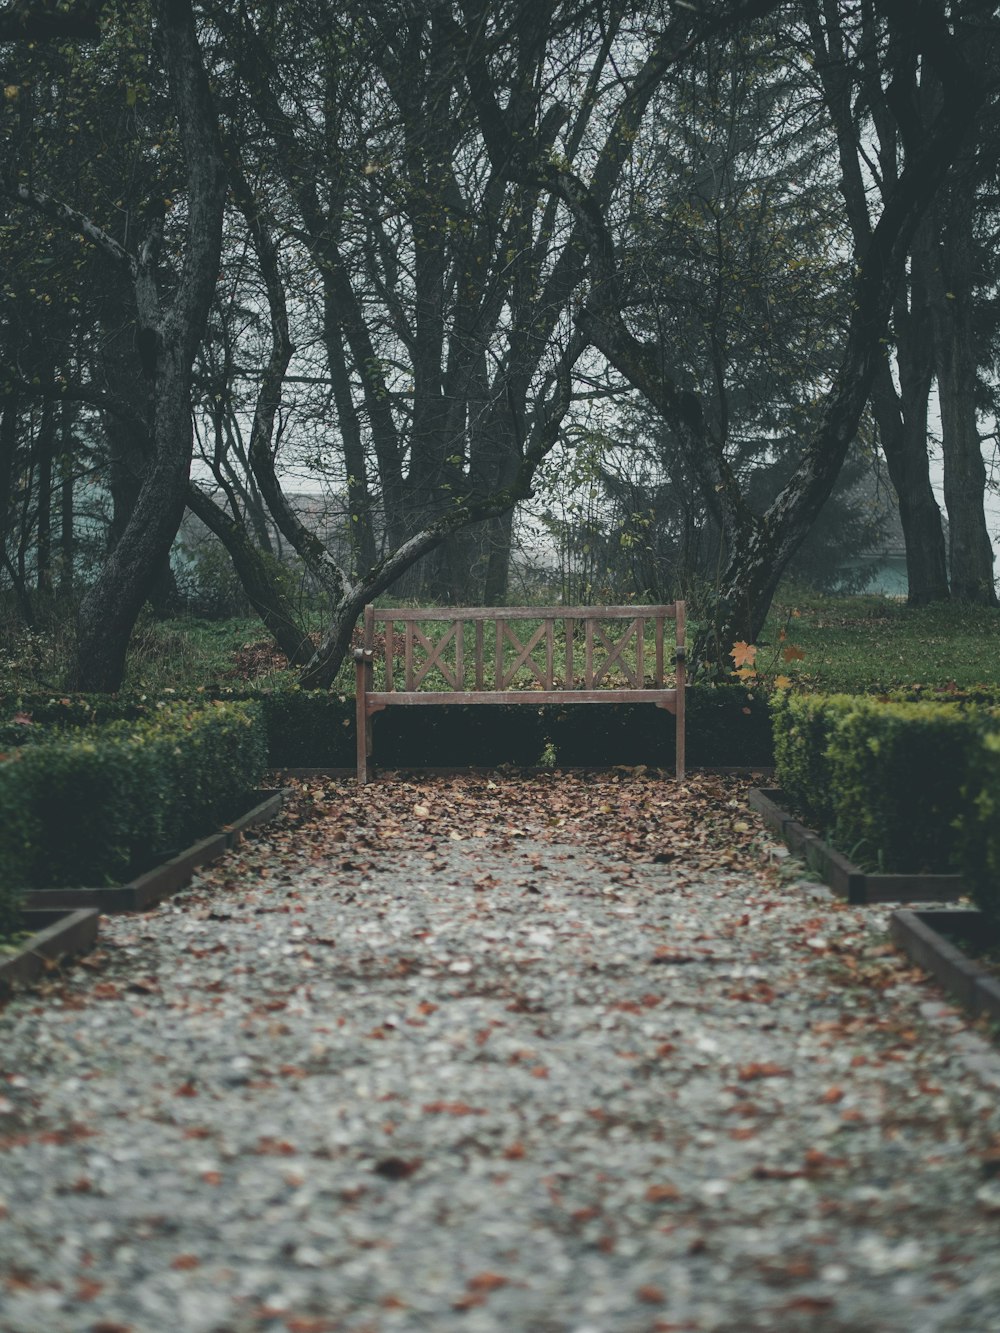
(78, 223)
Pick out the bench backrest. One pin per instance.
(624, 647)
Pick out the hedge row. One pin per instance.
(898, 787)
(979, 844)
(315, 729)
(95, 805)
(724, 727)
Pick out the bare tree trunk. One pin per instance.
(902, 428)
(901, 417)
(8, 456)
(108, 612)
(902, 425)
(67, 536)
(953, 280)
(45, 450)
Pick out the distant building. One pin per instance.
(880, 567)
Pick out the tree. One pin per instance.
(408, 153)
(955, 273)
(169, 320)
(759, 546)
(932, 319)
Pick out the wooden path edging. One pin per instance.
(919, 935)
(58, 934)
(845, 879)
(163, 880)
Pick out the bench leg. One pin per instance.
(362, 721)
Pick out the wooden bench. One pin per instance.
(553, 676)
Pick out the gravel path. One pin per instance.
(495, 1084)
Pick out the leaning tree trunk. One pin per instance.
(255, 576)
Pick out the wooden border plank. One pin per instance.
(58, 934)
(919, 935)
(847, 880)
(161, 881)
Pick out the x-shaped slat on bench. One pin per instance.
(415, 673)
(524, 651)
(614, 651)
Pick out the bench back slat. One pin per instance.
(668, 610)
(603, 652)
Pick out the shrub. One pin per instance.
(74, 710)
(308, 728)
(803, 725)
(979, 826)
(896, 773)
(97, 805)
(19, 835)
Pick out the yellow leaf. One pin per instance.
(12, 92)
(743, 654)
(782, 682)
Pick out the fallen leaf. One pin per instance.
(452, 1108)
(768, 1069)
(664, 1193)
(651, 1295)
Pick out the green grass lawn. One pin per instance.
(849, 644)
(876, 643)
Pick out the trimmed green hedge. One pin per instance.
(98, 804)
(897, 773)
(76, 710)
(887, 781)
(726, 726)
(979, 827)
(307, 728)
(803, 724)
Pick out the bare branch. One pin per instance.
(75, 221)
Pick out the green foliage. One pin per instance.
(896, 778)
(876, 645)
(308, 728)
(803, 725)
(187, 653)
(97, 804)
(887, 779)
(979, 826)
(19, 834)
